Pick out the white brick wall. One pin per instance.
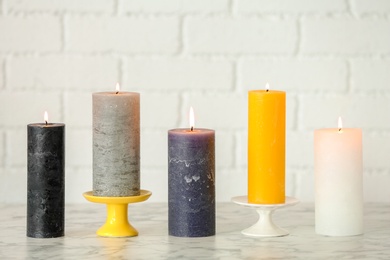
(90, 6)
(62, 73)
(331, 57)
(305, 75)
(370, 76)
(290, 7)
(32, 33)
(122, 34)
(174, 6)
(2, 153)
(345, 36)
(179, 74)
(235, 36)
(370, 6)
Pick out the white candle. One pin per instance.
(338, 171)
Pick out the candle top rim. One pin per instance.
(113, 93)
(188, 130)
(265, 91)
(46, 125)
(336, 129)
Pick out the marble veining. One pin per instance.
(151, 220)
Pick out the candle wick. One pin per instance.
(267, 90)
(192, 128)
(339, 129)
(117, 92)
(46, 122)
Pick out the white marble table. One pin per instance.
(82, 220)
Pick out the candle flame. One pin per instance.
(267, 87)
(117, 88)
(192, 119)
(340, 124)
(46, 117)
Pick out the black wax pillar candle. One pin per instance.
(45, 180)
(191, 181)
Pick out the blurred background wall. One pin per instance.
(331, 57)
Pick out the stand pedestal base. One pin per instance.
(117, 224)
(264, 227)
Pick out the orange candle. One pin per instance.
(266, 146)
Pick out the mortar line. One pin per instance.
(116, 11)
(62, 107)
(298, 46)
(122, 79)
(348, 76)
(181, 103)
(4, 69)
(181, 48)
(4, 147)
(63, 33)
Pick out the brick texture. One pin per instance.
(226, 35)
(62, 73)
(2, 76)
(16, 150)
(80, 143)
(345, 36)
(180, 74)
(356, 111)
(2, 152)
(370, 76)
(174, 6)
(78, 109)
(30, 33)
(122, 34)
(331, 57)
(295, 75)
(58, 5)
(295, 7)
(371, 6)
(218, 111)
(22, 108)
(159, 110)
(376, 150)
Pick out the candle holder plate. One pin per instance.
(264, 227)
(117, 224)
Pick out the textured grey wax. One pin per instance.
(116, 144)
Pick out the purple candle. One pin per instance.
(191, 181)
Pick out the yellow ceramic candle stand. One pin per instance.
(117, 224)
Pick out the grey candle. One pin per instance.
(116, 144)
(191, 182)
(45, 180)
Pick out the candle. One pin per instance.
(266, 146)
(45, 179)
(338, 171)
(116, 143)
(191, 178)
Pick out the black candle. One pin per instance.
(45, 180)
(191, 177)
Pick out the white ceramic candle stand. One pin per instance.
(264, 227)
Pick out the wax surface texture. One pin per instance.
(191, 181)
(338, 171)
(116, 144)
(45, 180)
(266, 146)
